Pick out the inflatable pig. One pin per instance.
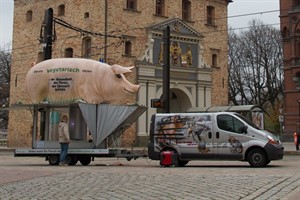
(73, 79)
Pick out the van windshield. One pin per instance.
(250, 123)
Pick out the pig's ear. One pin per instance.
(118, 69)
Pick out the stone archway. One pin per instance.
(179, 101)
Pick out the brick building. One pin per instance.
(290, 28)
(134, 30)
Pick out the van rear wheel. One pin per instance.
(86, 160)
(257, 158)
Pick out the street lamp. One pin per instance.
(280, 122)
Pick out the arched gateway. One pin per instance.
(190, 76)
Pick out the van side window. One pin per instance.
(229, 123)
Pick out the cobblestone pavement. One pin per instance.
(111, 178)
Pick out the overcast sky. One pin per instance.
(240, 12)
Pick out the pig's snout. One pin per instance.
(132, 89)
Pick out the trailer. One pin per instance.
(95, 131)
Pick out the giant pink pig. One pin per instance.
(72, 79)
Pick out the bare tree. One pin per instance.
(5, 62)
(256, 66)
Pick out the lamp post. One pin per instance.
(280, 122)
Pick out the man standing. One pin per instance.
(297, 140)
(64, 139)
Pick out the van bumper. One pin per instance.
(274, 151)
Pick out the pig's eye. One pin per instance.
(118, 76)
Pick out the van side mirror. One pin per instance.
(244, 129)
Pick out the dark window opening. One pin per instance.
(186, 10)
(214, 60)
(128, 48)
(210, 15)
(69, 53)
(29, 16)
(284, 32)
(61, 10)
(86, 47)
(131, 5)
(160, 7)
(86, 15)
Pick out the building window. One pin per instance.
(68, 53)
(186, 10)
(40, 57)
(86, 15)
(298, 50)
(214, 60)
(296, 2)
(160, 7)
(229, 123)
(131, 5)
(86, 47)
(61, 10)
(29, 16)
(128, 48)
(284, 32)
(210, 15)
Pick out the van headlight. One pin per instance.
(272, 140)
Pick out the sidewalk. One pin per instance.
(289, 149)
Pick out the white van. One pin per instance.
(220, 135)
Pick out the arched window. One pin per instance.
(210, 15)
(69, 53)
(284, 32)
(61, 10)
(29, 16)
(186, 10)
(86, 47)
(128, 48)
(160, 7)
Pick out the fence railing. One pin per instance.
(3, 138)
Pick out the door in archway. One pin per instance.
(179, 101)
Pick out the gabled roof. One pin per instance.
(176, 26)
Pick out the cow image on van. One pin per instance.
(219, 135)
(179, 130)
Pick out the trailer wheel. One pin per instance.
(71, 160)
(257, 158)
(85, 160)
(53, 159)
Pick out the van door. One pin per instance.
(229, 137)
(200, 138)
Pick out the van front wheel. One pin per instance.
(257, 158)
(182, 163)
